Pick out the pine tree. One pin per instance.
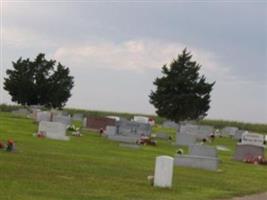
(181, 93)
(38, 82)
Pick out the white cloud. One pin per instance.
(136, 55)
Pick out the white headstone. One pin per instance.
(111, 130)
(141, 119)
(253, 139)
(114, 117)
(163, 171)
(53, 130)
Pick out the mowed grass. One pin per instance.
(91, 167)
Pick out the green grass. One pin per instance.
(91, 167)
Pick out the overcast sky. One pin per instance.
(116, 50)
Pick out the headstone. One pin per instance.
(248, 151)
(253, 139)
(199, 131)
(185, 139)
(202, 150)
(132, 128)
(77, 117)
(141, 119)
(43, 116)
(170, 124)
(207, 163)
(98, 123)
(163, 171)
(84, 122)
(238, 134)
(229, 131)
(111, 130)
(53, 130)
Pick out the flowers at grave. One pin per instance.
(10, 145)
(255, 160)
(41, 134)
(73, 128)
(145, 140)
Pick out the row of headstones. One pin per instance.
(118, 129)
(251, 144)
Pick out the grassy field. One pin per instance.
(93, 168)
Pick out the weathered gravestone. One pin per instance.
(98, 123)
(252, 139)
(170, 124)
(163, 171)
(199, 131)
(201, 156)
(248, 151)
(43, 116)
(111, 130)
(62, 119)
(77, 117)
(185, 138)
(229, 131)
(132, 128)
(202, 150)
(53, 130)
(238, 134)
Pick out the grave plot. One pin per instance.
(53, 130)
(200, 156)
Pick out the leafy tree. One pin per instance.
(181, 93)
(39, 82)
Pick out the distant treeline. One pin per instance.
(254, 127)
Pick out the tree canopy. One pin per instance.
(181, 93)
(39, 82)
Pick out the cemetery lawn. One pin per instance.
(91, 167)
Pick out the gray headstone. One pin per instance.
(53, 130)
(203, 150)
(199, 131)
(133, 128)
(141, 119)
(201, 162)
(111, 130)
(185, 139)
(253, 139)
(238, 134)
(229, 131)
(247, 151)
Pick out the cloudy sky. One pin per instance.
(116, 49)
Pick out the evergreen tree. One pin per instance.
(38, 82)
(181, 93)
